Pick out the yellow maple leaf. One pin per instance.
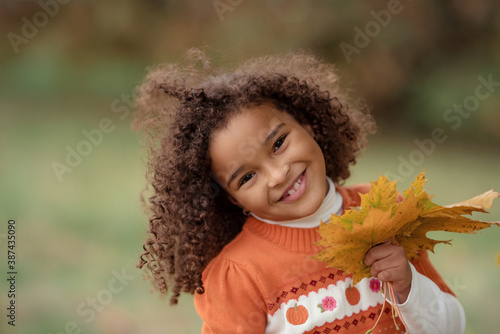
(346, 239)
(345, 249)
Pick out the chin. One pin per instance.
(314, 208)
(310, 208)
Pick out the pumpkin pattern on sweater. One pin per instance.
(264, 281)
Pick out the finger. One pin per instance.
(379, 252)
(392, 274)
(399, 274)
(400, 278)
(388, 263)
(396, 261)
(382, 243)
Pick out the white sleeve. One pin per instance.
(428, 310)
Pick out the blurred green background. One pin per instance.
(70, 67)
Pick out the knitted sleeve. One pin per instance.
(425, 267)
(232, 302)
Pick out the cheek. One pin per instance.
(318, 152)
(321, 157)
(318, 158)
(253, 199)
(314, 151)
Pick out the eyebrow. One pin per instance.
(269, 137)
(273, 133)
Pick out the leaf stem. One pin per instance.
(395, 303)
(384, 286)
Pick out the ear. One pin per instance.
(233, 200)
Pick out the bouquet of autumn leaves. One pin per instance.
(386, 215)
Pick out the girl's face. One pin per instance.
(269, 164)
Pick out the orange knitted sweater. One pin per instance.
(264, 281)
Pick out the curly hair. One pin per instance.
(180, 106)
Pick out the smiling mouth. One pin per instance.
(296, 189)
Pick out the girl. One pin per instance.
(244, 165)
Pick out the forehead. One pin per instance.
(243, 136)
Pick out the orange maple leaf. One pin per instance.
(346, 239)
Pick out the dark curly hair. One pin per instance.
(179, 107)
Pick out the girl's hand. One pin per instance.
(389, 263)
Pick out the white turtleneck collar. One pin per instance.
(331, 204)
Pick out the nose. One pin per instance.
(277, 173)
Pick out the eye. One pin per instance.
(245, 178)
(278, 143)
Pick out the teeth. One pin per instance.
(296, 186)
